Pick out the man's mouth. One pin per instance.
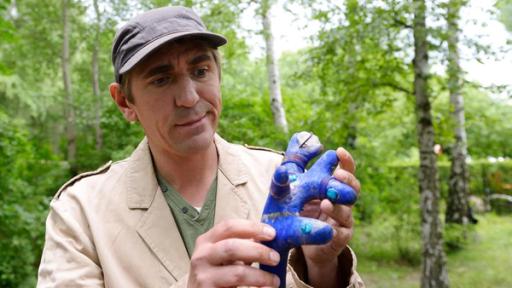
(191, 121)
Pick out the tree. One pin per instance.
(96, 75)
(434, 267)
(66, 77)
(276, 102)
(356, 65)
(505, 7)
(457, 204)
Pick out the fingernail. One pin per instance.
(269, 231)
(274, 256)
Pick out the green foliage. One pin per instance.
(358, 67)
(488, 134)
(505, 8)
(120, 138)
(456, 237)
(351, 88)
(389, 207)
(393, 238)
(246, 116)
(29, 177)
(485, 262)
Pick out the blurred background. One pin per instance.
(346, 70)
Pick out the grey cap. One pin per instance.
(151, 29)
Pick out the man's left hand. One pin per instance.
(321, 259)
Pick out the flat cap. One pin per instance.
(151, 29)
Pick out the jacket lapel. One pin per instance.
(159, 231)
(157, 226)
(232, 202)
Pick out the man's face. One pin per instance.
(176, 97)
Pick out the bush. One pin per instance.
(393, 238)
(396, 185)
(29, 177)
(387, 190)
(388, 210)
(456, 237)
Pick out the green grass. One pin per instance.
(486, 261)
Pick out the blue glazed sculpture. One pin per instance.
(292, 188)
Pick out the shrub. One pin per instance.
(29, 177)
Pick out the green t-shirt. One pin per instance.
(191, 222)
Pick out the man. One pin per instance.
(136, 223)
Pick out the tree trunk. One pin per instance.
(434, 271)
(276, 103)
(96, 80)
(456, 210)
(351, 139)
(66, 75)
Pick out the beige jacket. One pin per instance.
(113, 227)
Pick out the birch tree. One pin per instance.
(276, 102)
(66, 76)
(434, 273)
(96, 77)
(456, 210)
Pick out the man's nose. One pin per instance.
(186, 95)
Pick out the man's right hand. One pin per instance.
(221, 253)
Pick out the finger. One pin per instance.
(241, 275)
(326, 163)
(341, 214)
(341, 221)
(311, 209)
(340, 239)
(303, 231)
(346, 160)
(280, 187)
(238, 228)
(339, 193)
(248, 251)
(347, 178)
(308, 141)
(302, 147)
(305, 143)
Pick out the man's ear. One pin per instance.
(122, 103)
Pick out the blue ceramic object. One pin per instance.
(292, 188)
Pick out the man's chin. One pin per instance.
(195, 144)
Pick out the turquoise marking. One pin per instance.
(293, 178)
(306, 228)
(332, 194)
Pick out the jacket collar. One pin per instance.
(229, 162)
(231, 202)
(141, 178)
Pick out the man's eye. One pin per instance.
(201, 72)
(160, 81)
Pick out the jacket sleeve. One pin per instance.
(347, 262)
(69, 257)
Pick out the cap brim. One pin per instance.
(215, 39)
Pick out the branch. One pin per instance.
(396, 87)
(402, 23)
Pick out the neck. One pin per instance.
(190, 175)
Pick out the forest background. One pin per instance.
(352, 86)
